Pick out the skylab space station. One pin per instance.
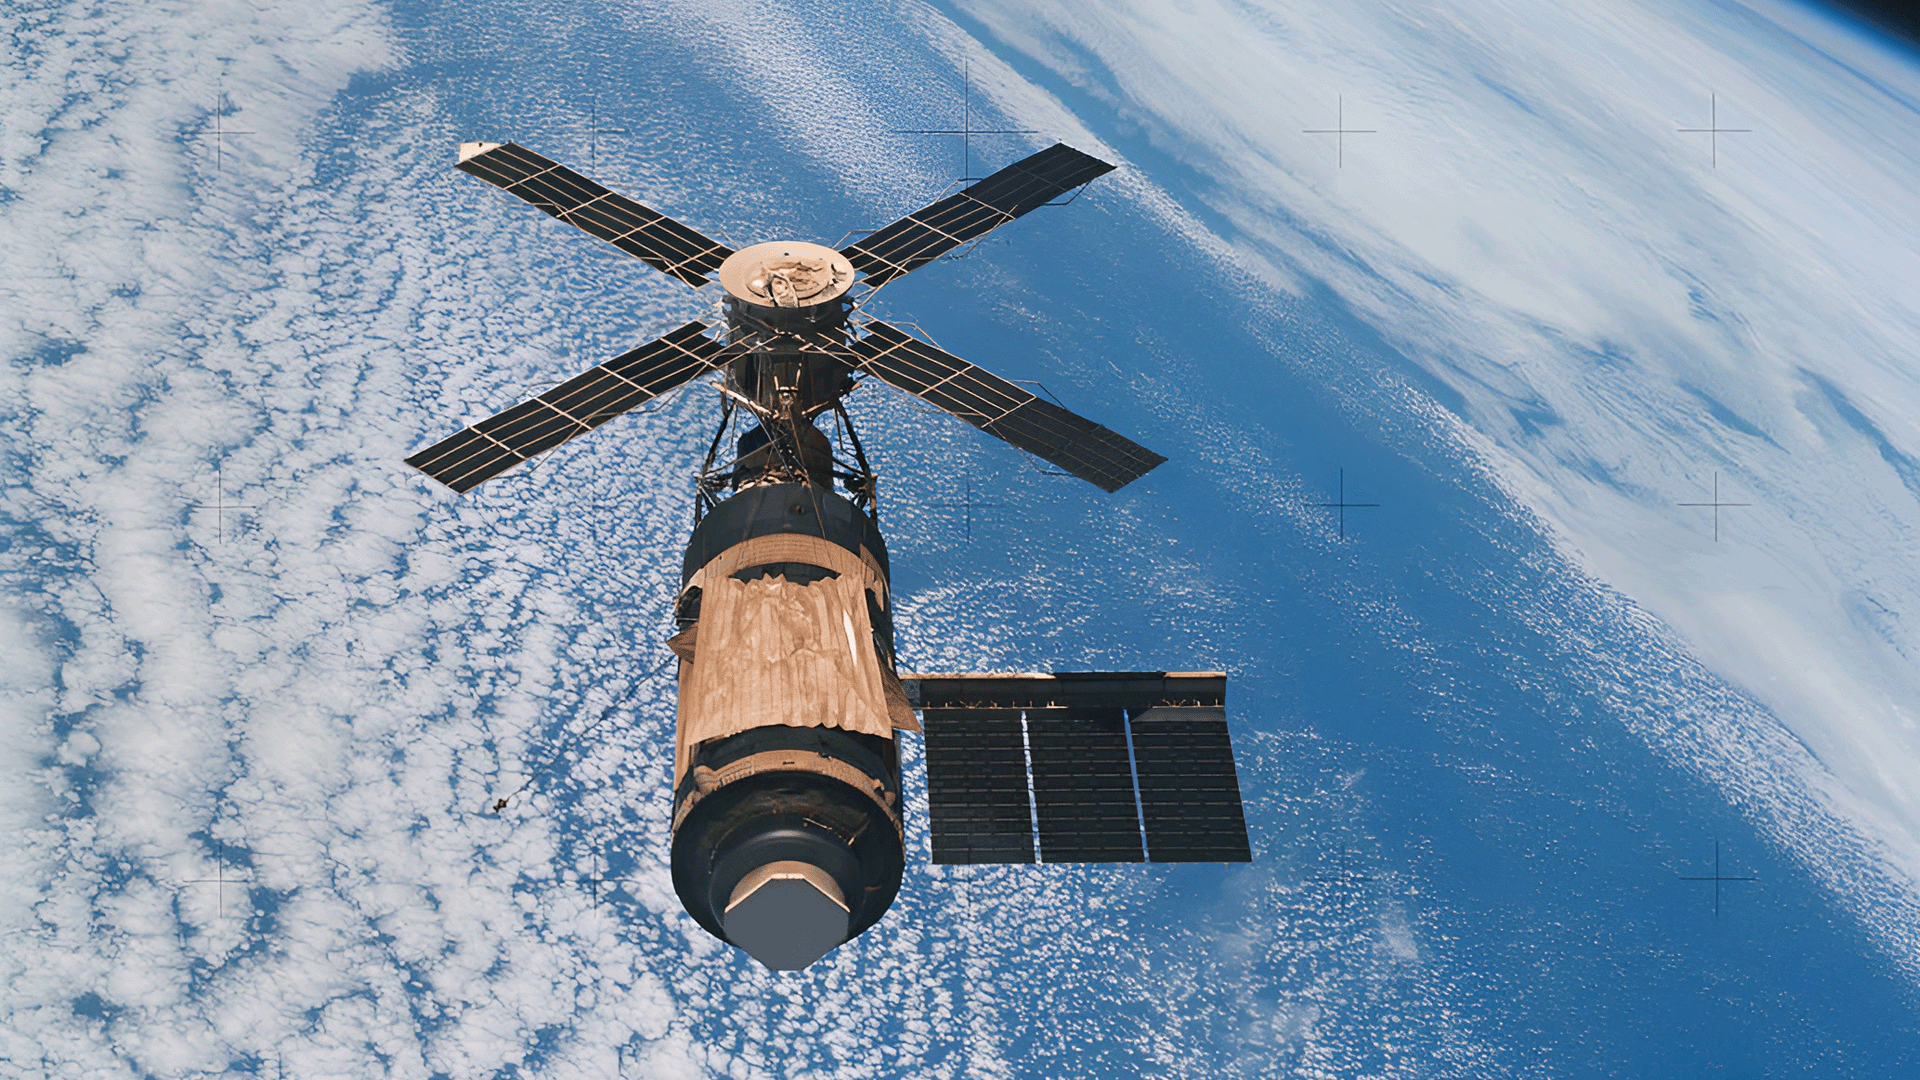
(787, 813)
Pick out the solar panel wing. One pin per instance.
(638, 230)
(486, 449)
(1189, 792)
(977, 786)
(1083, 785)
(926, 234)
(1089, 451)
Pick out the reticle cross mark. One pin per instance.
(1339, 131)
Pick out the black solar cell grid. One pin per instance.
(665, 244)
(963, 389)
(494, 445)
(1189, 791)
(529, 427)
(1038, 178)
(902, 246)
(964, 215)
(506, 164)
(597, 395)
(928, 233)
(558, 190)
(464, 459)
(1086, 449)
(1004, 410)
(977, 786)
(659, 364)
(1083, 785)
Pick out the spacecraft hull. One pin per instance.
(787, 828)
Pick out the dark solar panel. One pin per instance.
(660, 241)
(925, 235)
(494, 445)
(1001, 409)
(1189, 793)
(1083, 785)
(977, 786)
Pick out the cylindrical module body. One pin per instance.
(787, 831)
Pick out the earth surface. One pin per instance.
(1498, 729)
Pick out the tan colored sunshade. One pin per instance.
(770, 651)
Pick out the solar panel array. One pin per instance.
(575, 407)
(1102, 776)
(977, 779)
(1189, 792)
(638, 230)
(1083, 785)
(925, 235)
(1002, 409)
